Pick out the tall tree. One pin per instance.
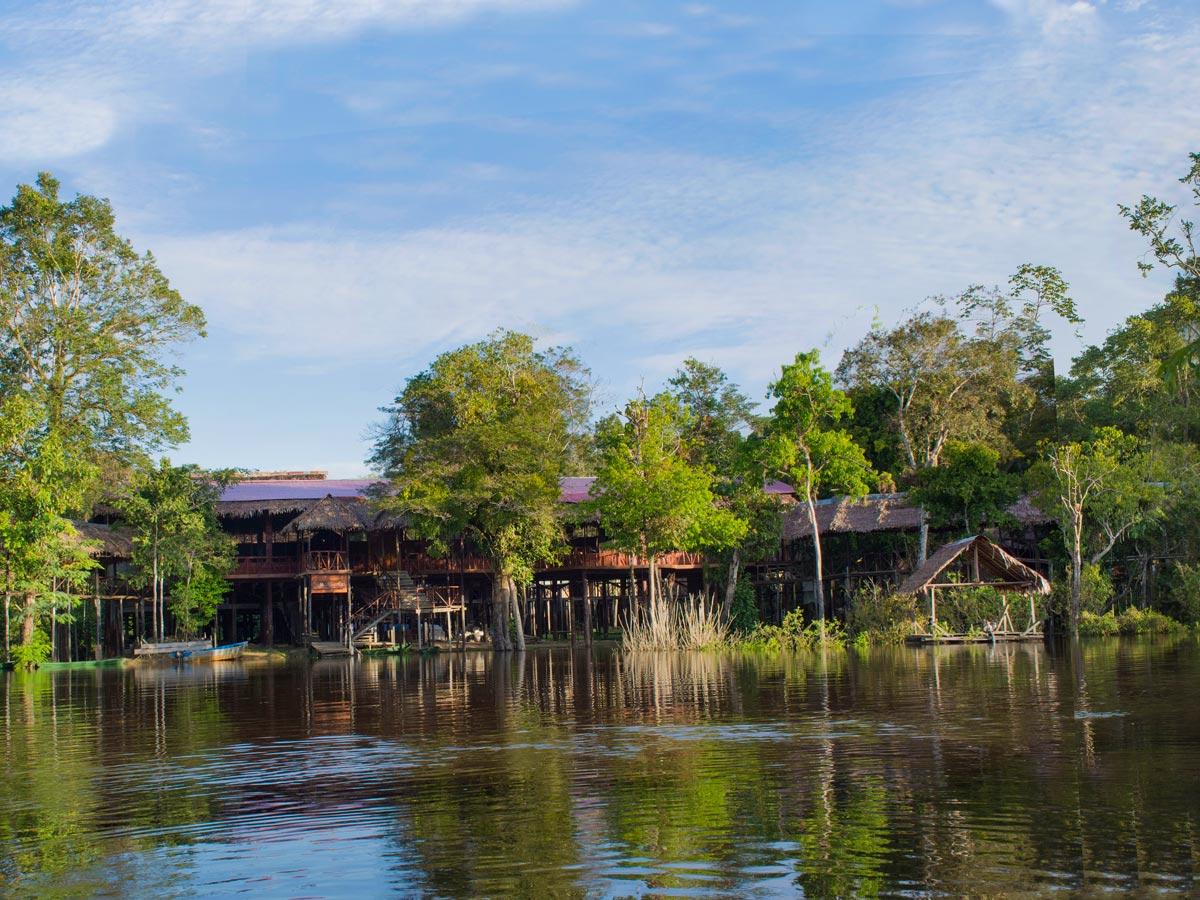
(968, 489)
(86, 326)
(721, 434)
(1098, 490)
(811, 448)
(1172, 239)
(942, 384)
(474, 447)
(651, 497)
(179, 548)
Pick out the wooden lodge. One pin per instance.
(316, 563)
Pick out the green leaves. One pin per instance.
(650, 496)
(475, 445)
(808, 446)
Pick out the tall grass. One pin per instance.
(693, 624)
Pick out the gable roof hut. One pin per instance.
(341, 515)
(990, 566)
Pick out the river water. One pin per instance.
(1014, 771)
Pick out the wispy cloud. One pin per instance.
(665, 254)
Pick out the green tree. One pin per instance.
(1171, 238)
(1098, 490)
(651, 497)
(942, 384)
(474, 447)
(967, 489)
(721, 434)
(810, 446)
(1133, 381)
(86, 325)
(179, 547)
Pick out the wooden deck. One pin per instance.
(326, 649)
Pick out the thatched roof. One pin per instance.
(340, 514)
(875, 512)
(114, 541)
(879, 512)
(994, 565)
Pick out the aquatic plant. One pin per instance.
(1131, 621)
(694, 624)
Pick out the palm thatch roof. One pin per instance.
(879, 512)
(114, 541)
(875, 512)
(340, 514)
(995, 566)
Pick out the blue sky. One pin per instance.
(348, 189)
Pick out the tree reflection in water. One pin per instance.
(958, 770)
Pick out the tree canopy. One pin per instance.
(474, 447)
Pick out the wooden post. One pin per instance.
(933, 611)
(307, 609)
(349, 608)
(268, 617)
(99, 648)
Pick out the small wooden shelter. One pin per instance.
(987, 565)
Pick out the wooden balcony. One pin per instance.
(326, 561)
(263, 567)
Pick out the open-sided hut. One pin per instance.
(971, 563)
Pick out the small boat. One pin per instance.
(212, 654)
(114, 662)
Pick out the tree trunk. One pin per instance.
(28, 619)
(1076, 572)
(923, 537)
(518, 608)
(819, 583)
(731, 586)
(501, 606)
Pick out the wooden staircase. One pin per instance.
(397, 592)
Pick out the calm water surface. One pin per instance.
(1015, 771)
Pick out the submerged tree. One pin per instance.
(650, 496)
(812, 448)
(474, 447)
(86, 324)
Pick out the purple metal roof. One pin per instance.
(296, 490)
(574, 490)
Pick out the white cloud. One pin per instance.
(747, 262)
(1053, 17)
(121, 53)
(45, 121)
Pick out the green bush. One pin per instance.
(793, 635)
(1183, 593)
(1095, 592)
(1092, 625)
(32, 655)
(744, 616)
(1132, 621)
(880, 616)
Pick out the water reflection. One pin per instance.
(977, 770)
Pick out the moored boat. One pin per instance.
(212, 654)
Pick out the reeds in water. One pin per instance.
(693, 624)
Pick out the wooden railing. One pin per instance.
(326, 561)
(611, 559)
(264, 567)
